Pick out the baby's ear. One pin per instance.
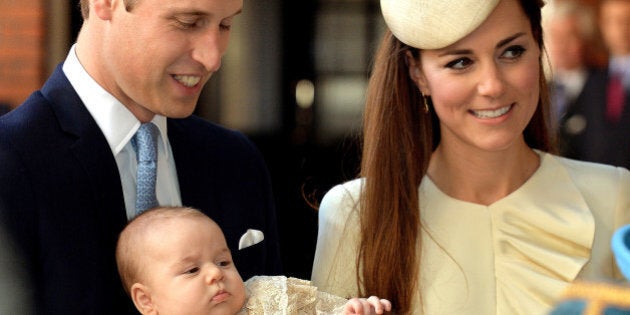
(141, 296)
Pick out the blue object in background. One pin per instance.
(602, 297)
(620, 244)
(594, 298)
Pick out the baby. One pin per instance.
(175, 260)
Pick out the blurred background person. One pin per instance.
(614, 25)
(602, 117)
(569, 28)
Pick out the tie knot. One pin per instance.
(145, 142)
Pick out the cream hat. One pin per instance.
(434, 24)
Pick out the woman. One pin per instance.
(460, 208)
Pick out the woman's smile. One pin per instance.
(491, 113)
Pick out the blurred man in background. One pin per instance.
(596, 126)
(569, 30)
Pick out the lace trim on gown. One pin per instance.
(282, 295)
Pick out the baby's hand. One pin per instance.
(371, 305)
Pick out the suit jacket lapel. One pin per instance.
(91, 150)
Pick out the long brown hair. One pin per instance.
(398, 139)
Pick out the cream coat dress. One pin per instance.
(515, 256)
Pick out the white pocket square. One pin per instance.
(250, 238)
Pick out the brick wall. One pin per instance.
(22, 45)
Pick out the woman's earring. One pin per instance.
(425, 99)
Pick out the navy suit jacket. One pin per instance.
(62, 200)
(585, 132)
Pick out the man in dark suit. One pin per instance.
(569, 30)
(68, 165)
(601, 120)
(589, 134)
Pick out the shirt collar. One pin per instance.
(116, 122)
(620, 64)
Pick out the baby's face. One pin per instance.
(190, 269)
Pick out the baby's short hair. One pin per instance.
(131, 239)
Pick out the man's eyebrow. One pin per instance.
(199, 13)
(188, 13)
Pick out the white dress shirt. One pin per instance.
(572, 80)
(119, 125)
(621, 65)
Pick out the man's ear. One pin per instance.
(103, 9)
(416, 74)
(141, 297)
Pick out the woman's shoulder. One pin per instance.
(593, 173)
(602, 186)
(340, 201)
(345, 195)
(349, 189)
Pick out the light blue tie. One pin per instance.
(145, 144)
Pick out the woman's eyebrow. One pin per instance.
(509, 39)
(456, 52)
(469, 51)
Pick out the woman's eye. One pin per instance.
(514, 52)
(460, 63)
